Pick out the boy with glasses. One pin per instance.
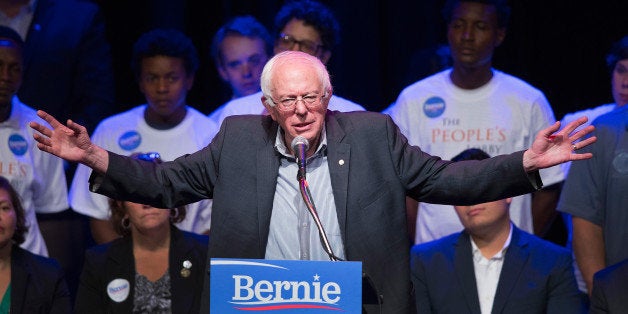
(306, 26)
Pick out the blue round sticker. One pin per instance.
(434, 107)
(17, 144)
(620, 162)
(130, 140)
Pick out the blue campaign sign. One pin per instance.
(284, 286)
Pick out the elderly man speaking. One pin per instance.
(360, 168)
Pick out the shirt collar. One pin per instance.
(280, 145)
(477, 255)
(13, 120)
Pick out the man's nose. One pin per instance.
(246, 70)
(300, 106)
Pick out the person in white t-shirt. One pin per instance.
(39, 179)
(473, 105)
(306, 26)
(164, 62)
(239, 49)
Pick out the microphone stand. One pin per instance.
(309, 203)
(369, 293)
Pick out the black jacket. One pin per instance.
(114, 260)
(37, 284)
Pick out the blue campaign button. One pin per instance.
(17, 144)
(434, 107)
(130, 140)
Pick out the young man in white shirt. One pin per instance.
(492, 266)
(164, 62)
(474, 105)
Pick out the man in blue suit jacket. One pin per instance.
(363, 164)
(67, 62)
(492, 266)
(610, 289)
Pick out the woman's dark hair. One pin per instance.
(20, 216)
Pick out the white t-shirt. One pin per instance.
(38, 177)
(252, 104)
(501, 117)
(127, 133)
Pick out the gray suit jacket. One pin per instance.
(537, 277)
(239, 170)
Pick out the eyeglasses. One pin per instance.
(287, 42)
(152, 157)
(288, 104)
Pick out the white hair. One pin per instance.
(286, 57)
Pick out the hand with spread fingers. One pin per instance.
(549, 148)
(70, 142)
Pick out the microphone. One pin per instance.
(300, 146)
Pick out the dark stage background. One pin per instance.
(557, 46)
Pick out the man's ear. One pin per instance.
(189, 82)
(501, 35)
(222, 72)
(270, 109)
(325, 56)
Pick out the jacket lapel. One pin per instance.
(267, 171)
(181, 302)
(515, 260)
(338, 156)
(463, 264)
(20, 277)
(41, 19)
(122, 266)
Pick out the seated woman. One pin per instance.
(29, 283)
(153, 268)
